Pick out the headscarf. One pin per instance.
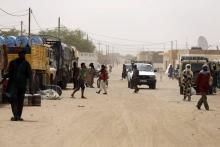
(205, 69)
(188, 69)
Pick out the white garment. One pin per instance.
(103, 86)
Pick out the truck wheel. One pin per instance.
(62, 84)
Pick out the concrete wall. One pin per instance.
(87, 58)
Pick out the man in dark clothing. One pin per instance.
(19, 73)
(123, 75)
(203, 86)
(214, 74)
(81, 81)
(135, 78)
(75, 75)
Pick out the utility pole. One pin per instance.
(171, 53)
(106, 50)
(176, 44)
(58, 35)
(29, 22)
(99, 47)
(187, 43)
(21, 28)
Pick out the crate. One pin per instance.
(32, 100)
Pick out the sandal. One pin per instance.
(14, 119)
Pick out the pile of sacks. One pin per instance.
(49, 94)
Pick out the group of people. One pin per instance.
(20, 78)
(204, 81)
(83, 77)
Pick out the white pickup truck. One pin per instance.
(146, 75)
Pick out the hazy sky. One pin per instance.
(137, 20)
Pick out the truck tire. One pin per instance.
(62, 84)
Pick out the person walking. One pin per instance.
(110, 68)
(90, 75)
(187, 82)
(203, 86)
(170, 71)
(80, 81)
(103, 79)
(75, 74)
(19, 74)
(135, 78)
(123, 75)
(214, 74)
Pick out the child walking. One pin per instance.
(103, 76)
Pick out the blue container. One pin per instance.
(22, 41)
(10, 41)
(37, 40)
(2, 40)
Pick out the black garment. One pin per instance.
(135, 80)
(17, 103)
(203, 100)
(123, 75)
(212, 88)
(80, 84)
(75, 76)
(19, 73)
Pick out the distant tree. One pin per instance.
(73, 38)
(11, 32)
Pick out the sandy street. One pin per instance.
(151, 118)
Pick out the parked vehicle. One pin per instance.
(36, 55)
(61, 60)
(196, 66)
(146, 75)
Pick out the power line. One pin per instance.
(36, 21)
(18, 11)
(125, 39)
(12, 26)
(16, 15)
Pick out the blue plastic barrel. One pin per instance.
(2, 40)
(10, 41)
(37, 40)
(22, 41)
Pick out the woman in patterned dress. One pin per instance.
(187, 82)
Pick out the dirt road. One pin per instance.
(151, 118)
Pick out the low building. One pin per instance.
(173, 56)
(87, 58)
(155, 57)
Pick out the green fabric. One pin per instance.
(82, 73)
